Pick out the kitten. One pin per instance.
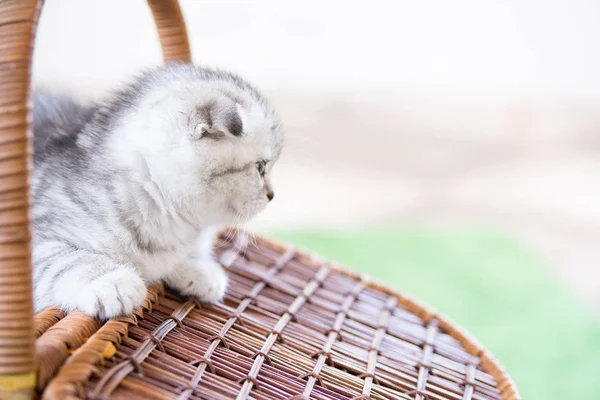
(128, 191)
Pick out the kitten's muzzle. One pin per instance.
(270, 195)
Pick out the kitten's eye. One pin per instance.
(260, 166)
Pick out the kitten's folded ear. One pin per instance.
(217, 119)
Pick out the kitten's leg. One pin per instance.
(92, 283)
(201, 276)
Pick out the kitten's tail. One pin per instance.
(56, 117)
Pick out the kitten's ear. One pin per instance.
(203, 130)
(218, 119)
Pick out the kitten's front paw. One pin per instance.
(207, 281)
(112, 295)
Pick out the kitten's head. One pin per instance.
(208, 141)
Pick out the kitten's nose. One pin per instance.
(270, 195)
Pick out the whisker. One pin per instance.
(230, 232)
(253, 237)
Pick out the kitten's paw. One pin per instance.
(112, 295)
(207, 281)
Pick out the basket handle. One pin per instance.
(18, 22)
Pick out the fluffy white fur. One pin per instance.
(131, 191)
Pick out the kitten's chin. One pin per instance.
(241, 215)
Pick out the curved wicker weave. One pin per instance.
(291, 326)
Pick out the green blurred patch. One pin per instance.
(488, 284)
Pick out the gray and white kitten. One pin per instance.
(128, 191)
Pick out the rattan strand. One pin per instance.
(45, 319)
(291, 326)
(17, 26)
(171, 29)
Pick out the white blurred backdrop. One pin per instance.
(461, 112)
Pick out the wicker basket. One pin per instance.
(291, 326)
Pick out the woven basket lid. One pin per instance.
(291, 326)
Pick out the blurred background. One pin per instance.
(450, 148)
